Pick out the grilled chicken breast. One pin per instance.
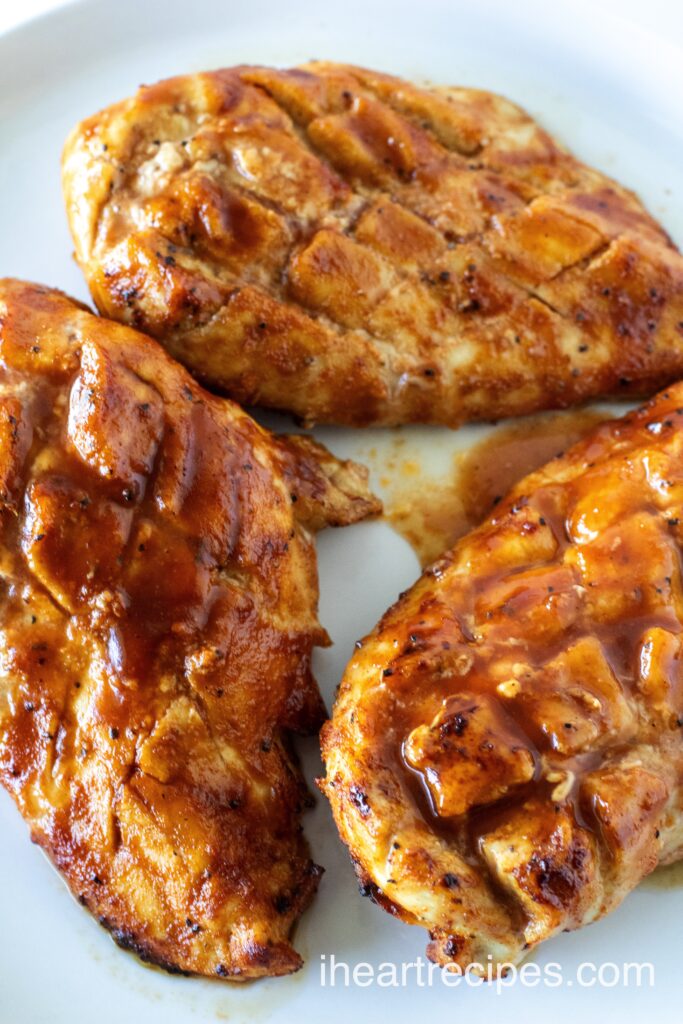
(346, 246)
(505, 758)
(157, 616)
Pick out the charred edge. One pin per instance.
(128, 940)
(372, 891)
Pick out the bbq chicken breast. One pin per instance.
(158, 610)
(505, 758)
(346, 246)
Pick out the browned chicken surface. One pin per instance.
(346, 246)
(505, 758)
(158, 611)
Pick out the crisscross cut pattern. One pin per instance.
(505, 757)
(346, 246)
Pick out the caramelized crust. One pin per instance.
(158, 611)
(505, 757)
(346, 246)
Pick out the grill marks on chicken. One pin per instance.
(346, 246)
(157, 617)
(505, 756)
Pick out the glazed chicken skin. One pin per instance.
(346, 246)
(505, 757)
(157, 617)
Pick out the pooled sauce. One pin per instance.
(432, 514)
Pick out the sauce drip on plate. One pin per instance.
(431, 514)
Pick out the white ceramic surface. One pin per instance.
(612, 92)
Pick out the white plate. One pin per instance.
(613, 94)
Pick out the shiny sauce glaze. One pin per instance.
(486, 473)
(157, 617)
(529, 693)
